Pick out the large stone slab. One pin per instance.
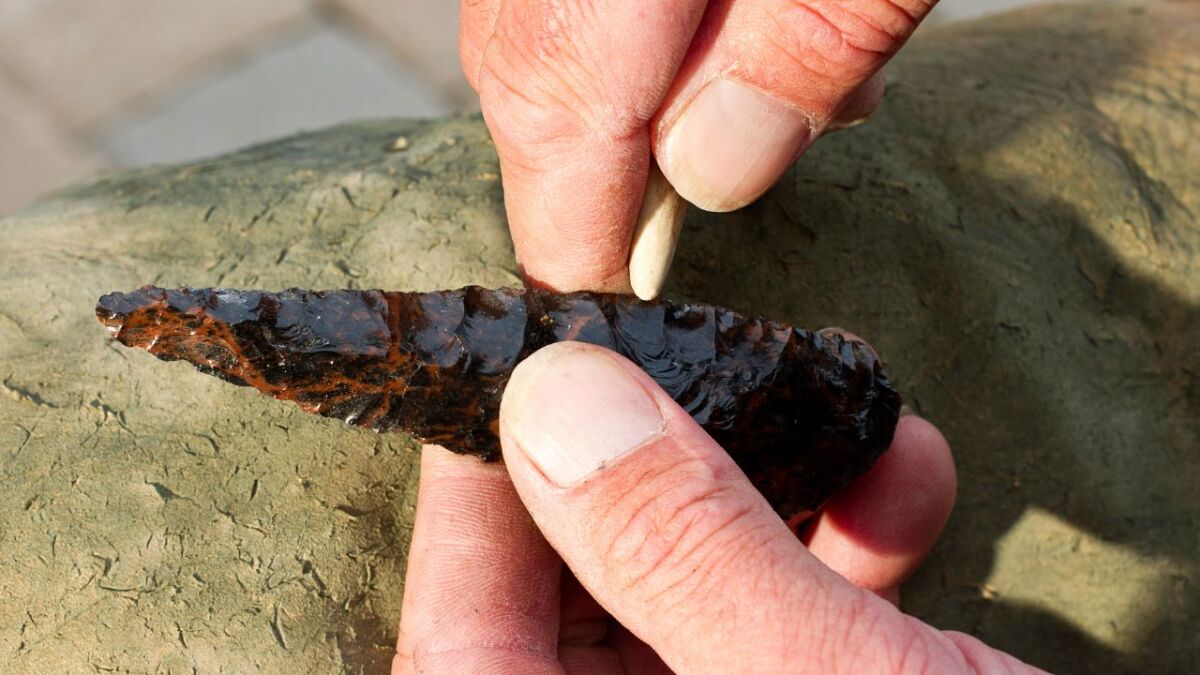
(1016, 232)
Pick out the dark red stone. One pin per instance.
(803, 414)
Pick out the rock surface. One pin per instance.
(1016, 232)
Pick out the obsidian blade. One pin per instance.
(802, 413)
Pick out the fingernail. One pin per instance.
(731, 144)
(906, 411)
(659, 223)
(573, 409)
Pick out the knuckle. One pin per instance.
(677, 529)
(913, 654)
(869, 639)
(521, 117)
(841, 622)
(918, 649)
(540, 82)
(844, 625)
(979, 658)
(834, 41)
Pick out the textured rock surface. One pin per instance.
(1016, 232)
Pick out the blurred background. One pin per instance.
(87, 85)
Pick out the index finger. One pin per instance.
(482, 589)
(568, 90)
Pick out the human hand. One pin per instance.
(726, 93)
(675, 561)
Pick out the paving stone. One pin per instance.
(323, 77)
(87, 59)
(423, 33)
(35, 155)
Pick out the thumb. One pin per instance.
(762, 80)
(665, 531)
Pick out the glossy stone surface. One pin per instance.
(802, 413)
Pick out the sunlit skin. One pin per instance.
(662, 558)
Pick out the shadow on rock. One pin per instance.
(1015, 233)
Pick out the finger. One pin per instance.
(476, 23)
(591, 642)
(764, 79)
(567, 90)
(877, 531)
(637, 656)
(584, 623)
(481, 590)
(863, 103)
(665, 531)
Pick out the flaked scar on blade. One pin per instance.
(802, 413)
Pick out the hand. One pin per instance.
(726, 93)
(675, 561)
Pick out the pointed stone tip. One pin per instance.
(108, 314)
(114, 308)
